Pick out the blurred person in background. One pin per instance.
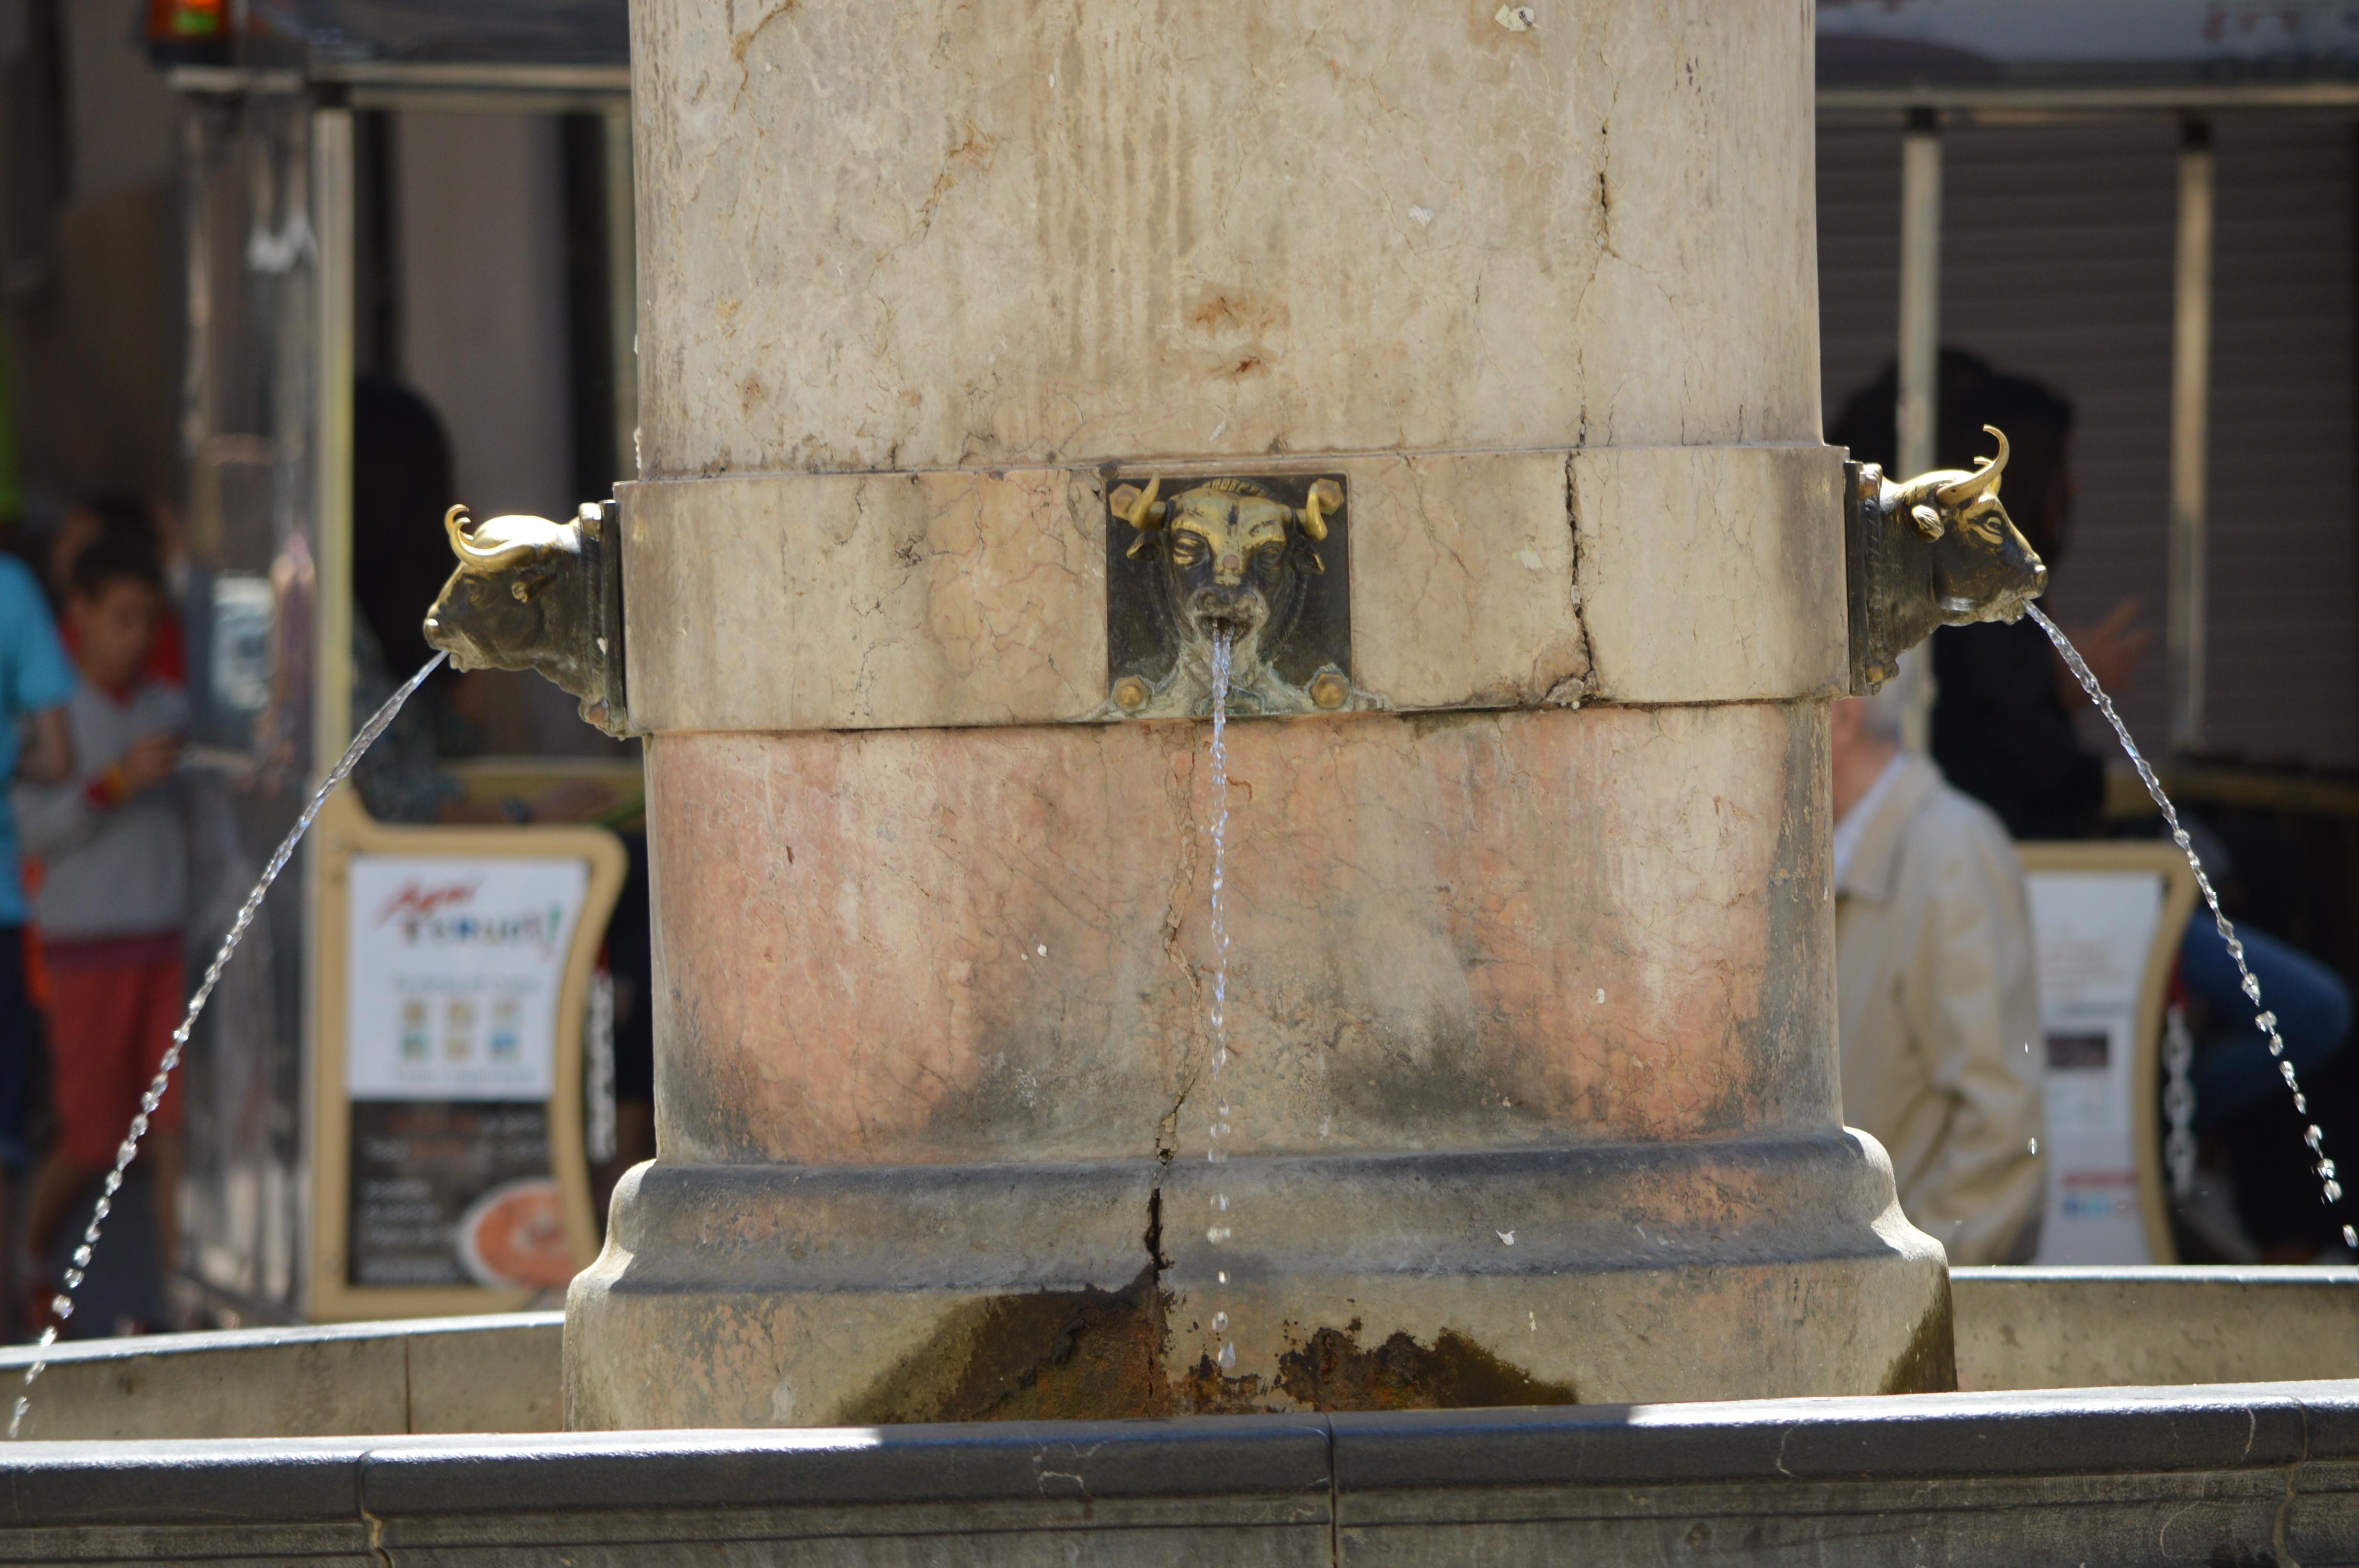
(2003, 726)
(402, 485)
(2003, 731)
(630, 962)
(36, 748)
(111, 838)
(1937, 1003)
(119, 515)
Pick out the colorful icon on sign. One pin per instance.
(459, 1030)
(507, 1028)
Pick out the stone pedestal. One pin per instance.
(1533, 1083)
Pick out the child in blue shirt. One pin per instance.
(35, 683)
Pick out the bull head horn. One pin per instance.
(1140, 509)
(1983, 480)
(1325, 496)
(473, 556)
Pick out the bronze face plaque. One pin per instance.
(1266, 557)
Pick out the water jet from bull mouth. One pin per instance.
(61, 1307)
(2323, 1168)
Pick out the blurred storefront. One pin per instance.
(398, 212)
(2076, 150)
(239, 238)
(2152, 206)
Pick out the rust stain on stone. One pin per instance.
(1081, 1355)
(1333, 1372)
(1202, 1391)
(1095, 1354)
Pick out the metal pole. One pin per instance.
(2190, 413)
(1920, 293)
(335, 306)
(623, 288)
(1919, 361)
(333, 226)
(198, 411)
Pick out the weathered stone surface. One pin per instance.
(902, 975)
(835, 601)
(938, 236)
(2064, 1328)
(917, 282)
(496, 1373)
(858, 601)
(2016, 1328)
(1476, 930)
(2257, 1473)
(1462, 591)
(1712, 575)
(487, 1382)
(762, 1295)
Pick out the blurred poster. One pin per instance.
(453, 1193)
(2091, 934)
(450, 1034)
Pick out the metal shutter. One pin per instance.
(2056, 263)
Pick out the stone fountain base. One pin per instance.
(225, 1450)
(769, 1296)
(2017, 1329)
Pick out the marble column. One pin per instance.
(1533, 1092)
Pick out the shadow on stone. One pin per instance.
(1929, 1364)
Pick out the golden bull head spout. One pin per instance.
(532, 594)
(1261, 560)
(1938, 550)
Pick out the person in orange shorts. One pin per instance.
(113, 902)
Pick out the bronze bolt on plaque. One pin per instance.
(1265, 557)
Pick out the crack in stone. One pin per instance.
(376, 1538)
(1572, 691)
(2278, 1525)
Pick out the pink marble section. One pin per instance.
(1463, 930)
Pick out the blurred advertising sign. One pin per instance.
(457, 963)
(449, 1172)
(451, 1055)
(2094, 934)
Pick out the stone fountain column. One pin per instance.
(1534, 1091)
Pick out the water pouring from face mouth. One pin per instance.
(2330, 1183)
(1218, 1129)
(61, 1307)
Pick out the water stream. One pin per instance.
(2263, 1019)
(1217, 1232)
(61, 1307)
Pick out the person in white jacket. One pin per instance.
(1937, 1004)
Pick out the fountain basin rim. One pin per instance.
(2144, 1432)
(14, 1358)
